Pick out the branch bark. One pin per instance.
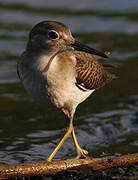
(54, 167)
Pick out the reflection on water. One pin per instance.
(108, 120)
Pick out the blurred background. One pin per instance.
(108, 120)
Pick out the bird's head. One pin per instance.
(53, 36)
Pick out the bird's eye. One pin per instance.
(53, 35)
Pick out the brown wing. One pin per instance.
(90, 73)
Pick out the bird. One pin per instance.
(57, 70)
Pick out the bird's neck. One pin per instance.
(37, 60)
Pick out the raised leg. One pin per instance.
(68, 132)
(80, 152)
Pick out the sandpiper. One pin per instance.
(57, 70)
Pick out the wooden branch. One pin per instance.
(48, 168)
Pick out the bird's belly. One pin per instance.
(67, 96)
(59, 94)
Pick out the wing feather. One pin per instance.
(91, 74)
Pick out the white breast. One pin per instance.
(62, 84)
(50, 81)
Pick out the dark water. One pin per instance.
(108, 120)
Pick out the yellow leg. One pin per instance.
(80, 152)
(68, 132)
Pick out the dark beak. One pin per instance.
(81, 47)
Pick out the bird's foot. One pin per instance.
(48, 159)
(81, 153)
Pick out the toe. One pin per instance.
(81, 153)
(85, 151)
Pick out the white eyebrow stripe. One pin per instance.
(65, 35)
